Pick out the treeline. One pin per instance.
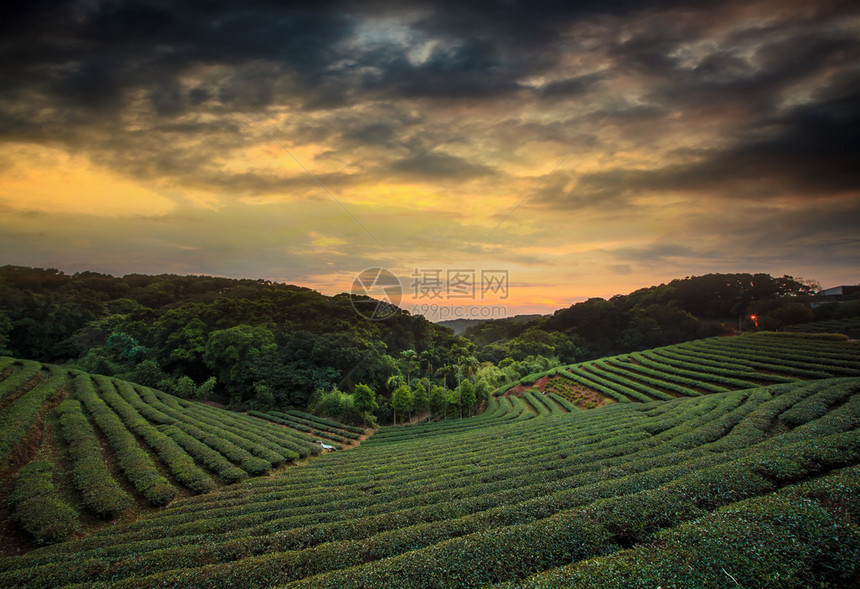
(682, 310)
(249, 343)
(255, 344)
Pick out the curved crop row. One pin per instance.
(316, 428)
(178, 462)
(730, 369)
(136, 463)
(542, 408)
(612, 377)
(37, 508)
(792, 538)
(167, 424)
(18, 417)
(101, 493)
(307, 430)
(793, 360)
(328, 422)
(755, 361)
(624, 370)
(23, 371)
(221, 442)
(691, 370)
(562, 401)
(616, 391)
(316, 425)
(277, 439)
(498, 500)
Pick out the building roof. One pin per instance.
(842, 290)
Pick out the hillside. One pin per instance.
(849, 326)
(257, 344)
(77, 450)
(459, 326)
(681, 310)
(753, 486)
(704, 366)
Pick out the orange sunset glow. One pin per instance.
(587, 150)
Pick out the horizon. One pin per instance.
(583, 150)
(415, 303)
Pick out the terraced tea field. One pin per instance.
(751, 486)
(691, 369)
(105, 446)
(848, 325)
(577, 496)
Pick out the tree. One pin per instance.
(409, 361)
(420, 398)
(185, 388)
(401, 401)
(149, 374)
(780, 314)
(334, 403)
(468, 398)
(5, 328)
(394, 381)
(121, 347)
(229, 351)
(205, 390)
(365, 401)
(438, 400)
(452, 402)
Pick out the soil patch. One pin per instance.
(581, 396)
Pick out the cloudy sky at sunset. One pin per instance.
(589, 148)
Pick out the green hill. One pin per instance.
(753, 485)
(76, 448)
(690, 369)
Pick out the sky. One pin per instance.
(581, 148)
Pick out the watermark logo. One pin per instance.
(378, 294)
(459, 283)
(437, 294)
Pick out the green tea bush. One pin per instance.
(487, 500)
(23, 371)
(17, 418)
(817, 406)
(563, 402)
(177, 460)
(37, 508)
(135, 462)
(101, 493)
(774, 541)
(329, 422)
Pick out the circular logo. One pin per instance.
(376, 294)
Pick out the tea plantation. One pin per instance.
(712, 365)
(101, 447)
(720, 463)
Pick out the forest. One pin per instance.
(260, 345)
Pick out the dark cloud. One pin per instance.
(165, 88)
(810, 150)
(570, 87)
(660, 252)
(439, 167)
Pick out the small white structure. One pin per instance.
(325, 446)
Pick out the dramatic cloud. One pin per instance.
(588, 147)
